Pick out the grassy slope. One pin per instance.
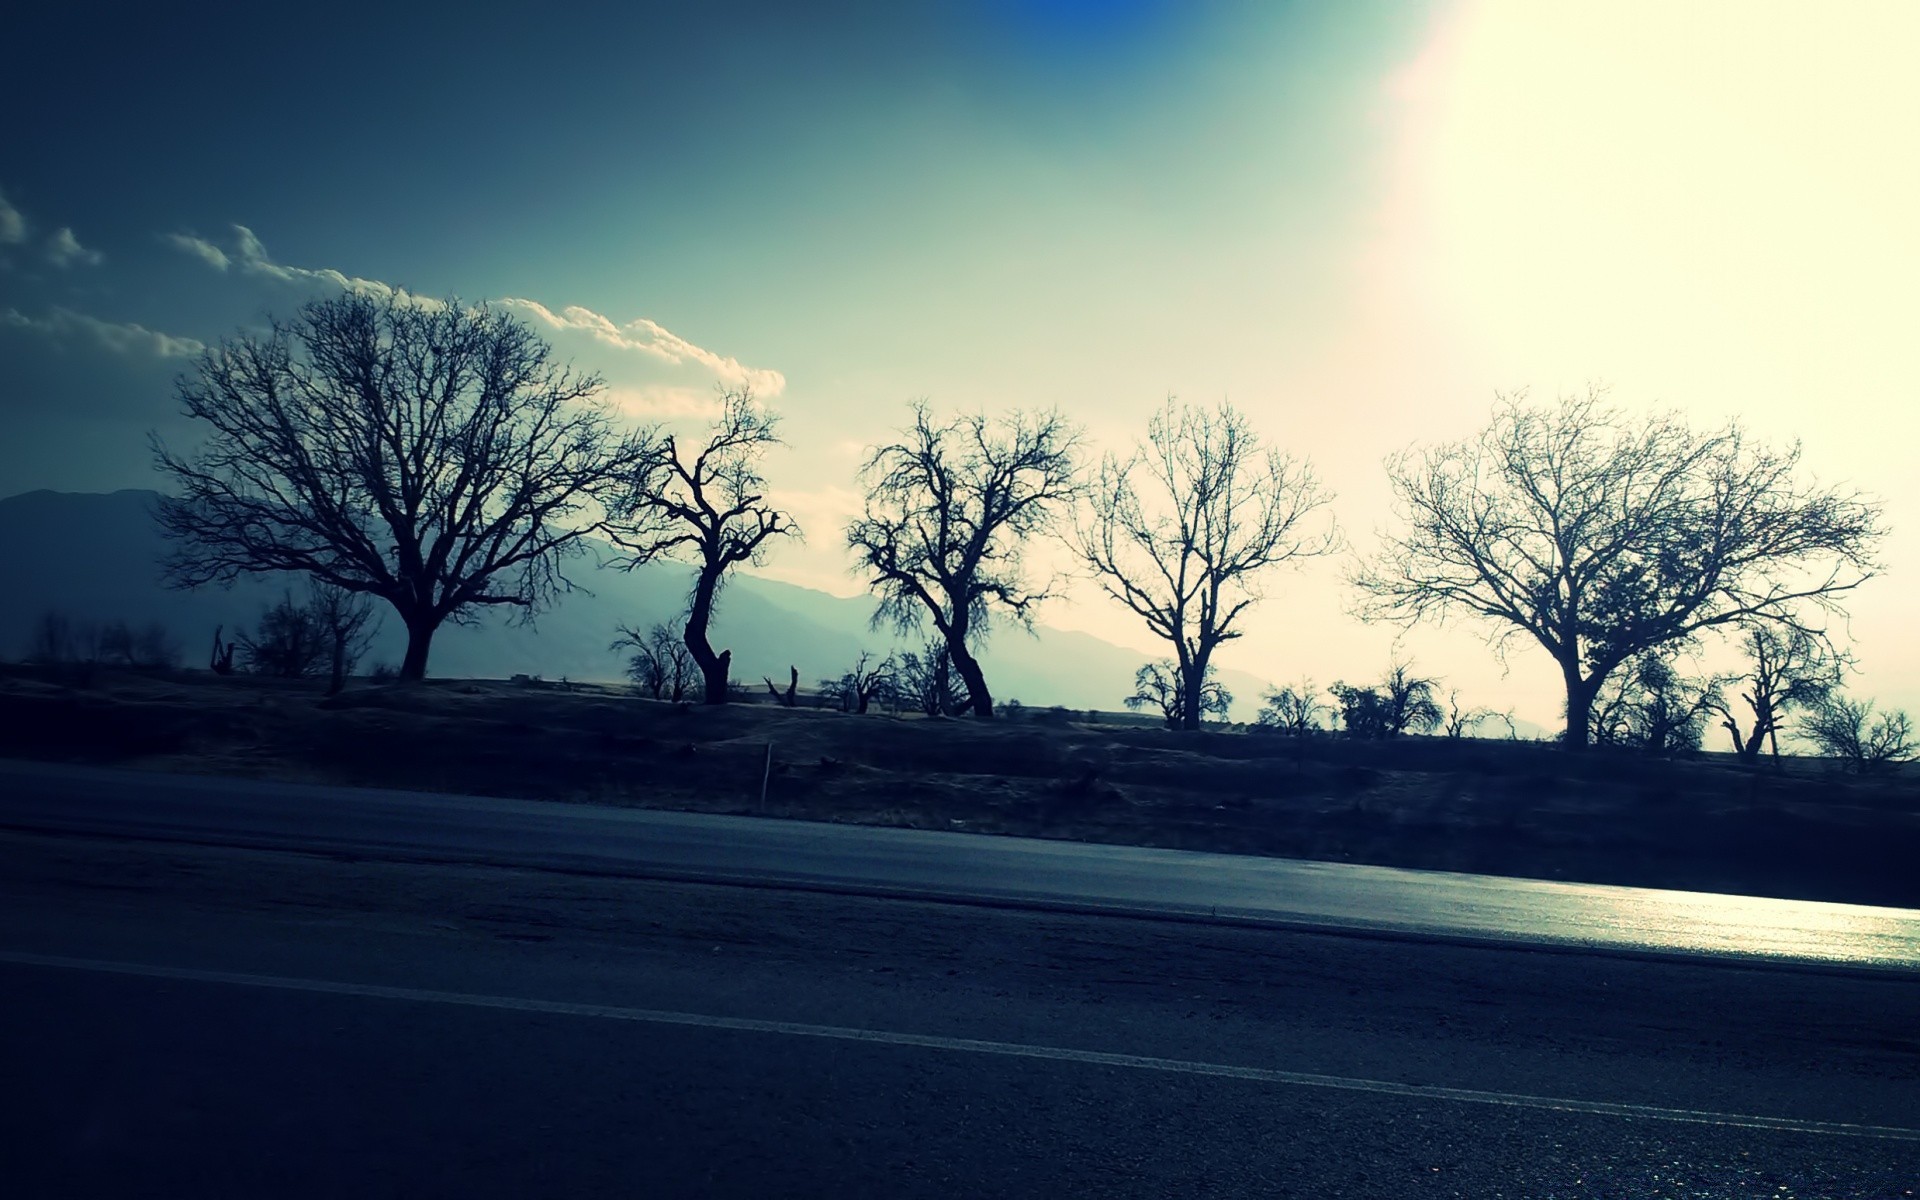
(1497, 807)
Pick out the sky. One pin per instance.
(1357, 222)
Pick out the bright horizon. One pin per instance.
(1356, 223)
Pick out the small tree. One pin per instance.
(660, 665)
(1650, 705)
(1409, 701)
(1363, 711)
(1786, 669)
(1460, 718)
(347, 627)
(707, 504)
(928, 683)
(867, 681)
(1158, 685)
(1603, 537)
(949, 509)
(432, 455)
(1182, 531)
(1851, 731)
(1296, 710)
(287, 642)
(1401, 702)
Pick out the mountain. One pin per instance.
(95, 558)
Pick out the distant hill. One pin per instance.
(95, 557)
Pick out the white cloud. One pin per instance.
(13, 225)
(200, 248)
(649, 337)
(128, 338)
(64, 250)
(255, 260)
(642, 335)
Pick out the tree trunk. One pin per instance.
(714, 668)
(1193, 681)
(978, 698)
(420, 630)
(1580, 694)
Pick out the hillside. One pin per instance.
(94, 556)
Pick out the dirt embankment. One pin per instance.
(1469, 805)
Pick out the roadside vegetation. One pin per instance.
(1807, 828)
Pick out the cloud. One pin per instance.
(64, 250)
(251, 255)
(649, 337)
(200, 248)
(64, 323)
(13, 225)
(642, 335)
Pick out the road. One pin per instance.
(1068, 876)
(191, 1018)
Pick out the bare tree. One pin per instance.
(927, 681)
(791, 696)
(1602, 537)
(660, 665)
(1158, 685)
(1459, 718)
(1649, 704)
(347, 628)
(859, 687)
(948, 511)
(1851, 731)
(1786, 669)
(707, 504)
(287, 642)
(1181, 531)
(432, 455)
(1296, 709)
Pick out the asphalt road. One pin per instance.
(190, 1020)
(408, 826)
(184, 1018)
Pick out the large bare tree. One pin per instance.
(1181, 531)
(1603, 536)
(949, 510)
(431, 454)
(708, 504)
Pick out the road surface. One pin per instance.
(191, 1018)
(939, 865)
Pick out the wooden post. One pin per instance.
(765, 773)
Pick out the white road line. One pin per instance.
(1138, 1062)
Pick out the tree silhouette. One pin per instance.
(708, 505)
(1180, 531)
(860, 687)
(949, 509)
(1158, 685)
(926, 681)
(1850, 730)
(1786, 669)
(1648, 704)
(1603, 537)
(660, 665)
(430, 454)
(1295, 709)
